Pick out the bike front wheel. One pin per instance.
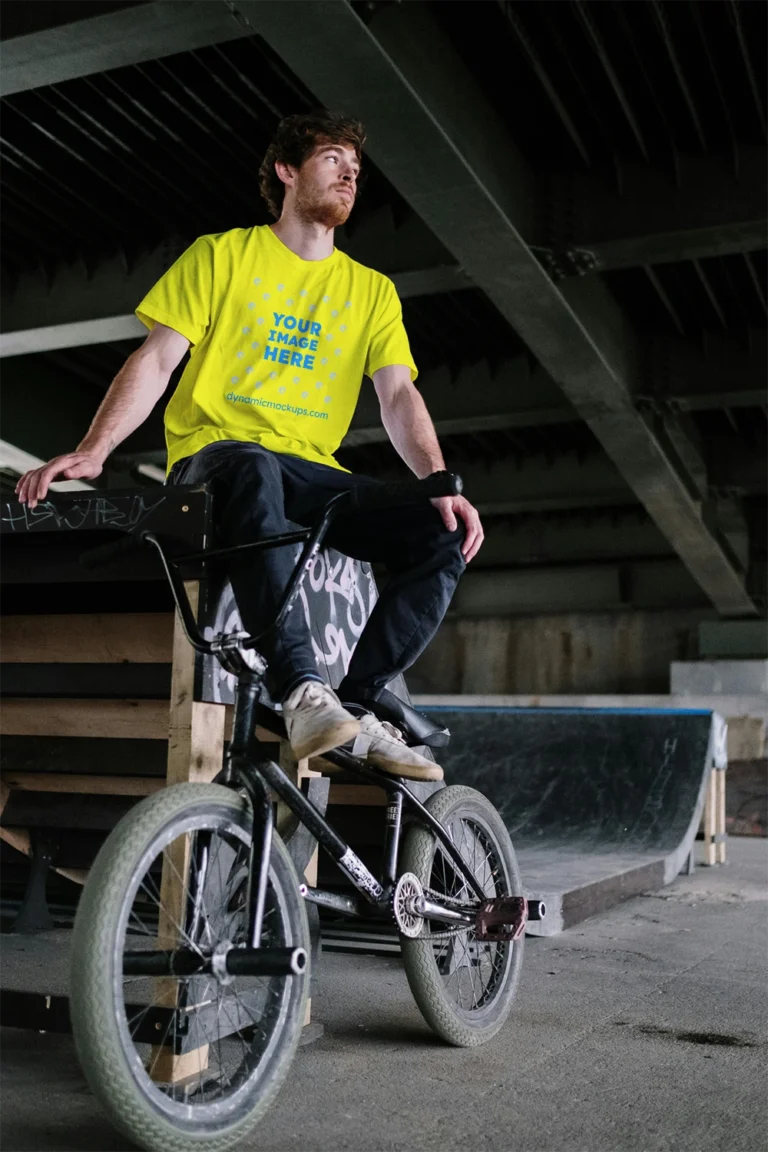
(178, 1062)
(463, 986)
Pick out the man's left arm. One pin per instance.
(409, 426)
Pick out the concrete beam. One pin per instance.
(734, 472)
(129, 36)
(726, 370)
(77, 335)
(46, 409)
(653, 583)
(518, 394)
(538, 484)
(433, 134)
(14, 459)
(570, 537)
(590, 224)
(93, 306)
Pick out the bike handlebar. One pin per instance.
(364, 496)
(98, 557)
(406, 491)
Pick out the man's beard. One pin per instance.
(331, 211)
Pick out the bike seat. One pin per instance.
(417, 728)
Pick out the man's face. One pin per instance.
(326, 185)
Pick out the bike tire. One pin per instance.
(108, 1061)
(459, 808)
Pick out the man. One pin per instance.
(282, 326)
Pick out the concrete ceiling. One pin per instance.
(582, 187)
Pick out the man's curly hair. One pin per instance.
(294, 142)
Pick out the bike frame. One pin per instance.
(248, 766)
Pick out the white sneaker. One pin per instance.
(383, 745)
(315, 720)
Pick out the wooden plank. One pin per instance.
(720, 820)
(100, 638)
(262, 734)
(167, 1068)
(119, 719)
(709, 820)
(366, 795)
(89, 785)
(87, 681)
(195, 753)
(19, 839)
(70, 810)
(195, 730)
(84, 755)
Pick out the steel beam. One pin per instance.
(435, 137)
(589, 224)
(128, 36)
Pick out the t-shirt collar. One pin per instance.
(289, 254)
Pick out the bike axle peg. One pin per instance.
(537, 909)
(266, 961)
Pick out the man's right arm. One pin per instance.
(133, 394)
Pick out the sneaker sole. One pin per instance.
(330, 738)
(407, 771)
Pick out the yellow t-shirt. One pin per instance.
(279, 345)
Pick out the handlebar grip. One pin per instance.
(98, 557)
(407, 491)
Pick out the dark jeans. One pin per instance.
(257, 493)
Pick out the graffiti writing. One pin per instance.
(93, 512)
(336, 598)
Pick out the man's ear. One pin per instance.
(286, 172)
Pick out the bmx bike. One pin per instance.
(190, 969)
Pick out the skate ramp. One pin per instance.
(601, 804)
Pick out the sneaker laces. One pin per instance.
(310, 694)
(375, 727)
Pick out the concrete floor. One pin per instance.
(644, 1029)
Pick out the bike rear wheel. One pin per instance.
(184, 1062)
(464, 987)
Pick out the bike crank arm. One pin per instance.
(224, 963)
(431, 911)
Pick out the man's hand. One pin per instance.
(34, 485)
(451, 507)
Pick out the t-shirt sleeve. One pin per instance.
(389, 340)
(181, 298)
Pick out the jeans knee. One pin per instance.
(450, 548)
(248, 494)
(255, 468)
(440, 544)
